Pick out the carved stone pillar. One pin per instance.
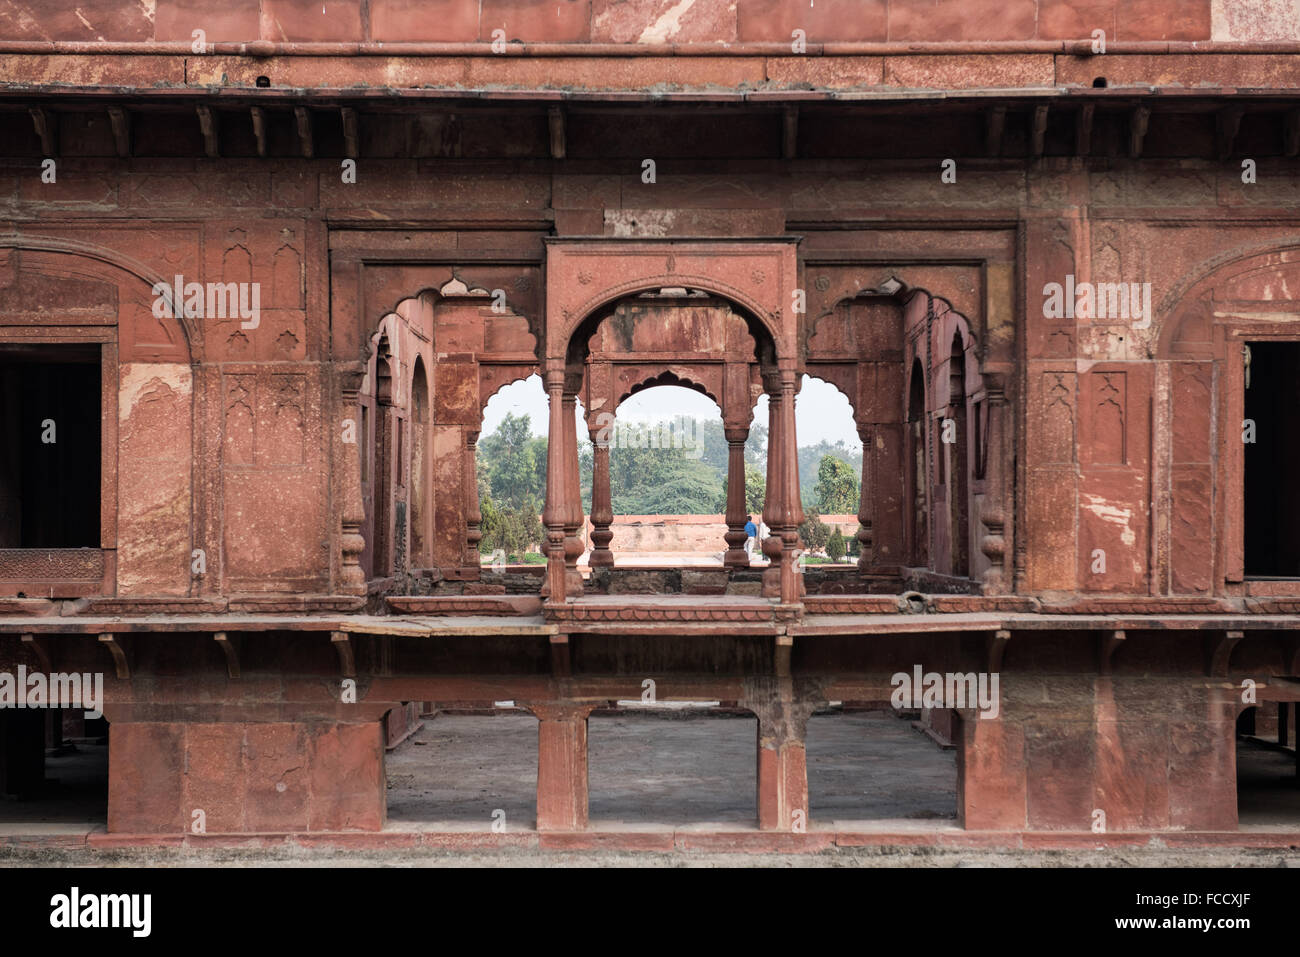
(563, 516)
(737, 515)
(561, 766)
(783, 511)
(574, 519)
(782, 765)
(866, 505)
(352, 579)
(602, 510)
(556, 487)
(991, 464)
(473, 514)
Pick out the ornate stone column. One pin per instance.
(554, 512)
(473, 514)
(352, 580)
(865, 504)
(737, 515)
(991, 465)
(602, 510)
(782, 511)
(563, 516)
(574, 519)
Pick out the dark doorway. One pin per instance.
(50, 435)
(1272, 523)
(53, 771)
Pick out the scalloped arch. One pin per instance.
(667, 378)
(709, 284)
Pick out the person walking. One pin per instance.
(752, 531)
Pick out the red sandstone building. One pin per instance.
(1055, 273)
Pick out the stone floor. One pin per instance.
(670, 769)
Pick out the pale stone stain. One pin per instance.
(87, 24)
(668, 24)
(138, 378)
(1107, 512)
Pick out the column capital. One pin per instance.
(554, 379)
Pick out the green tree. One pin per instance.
(515, 461)
(513, 530)
(755, 490)
(490, 526)
(813, 531)
(810, 457)
(835, 545)
(837, 487)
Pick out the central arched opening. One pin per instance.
(672, 468)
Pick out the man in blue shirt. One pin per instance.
(752, 531)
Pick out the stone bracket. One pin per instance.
(232, 653)
(121, 123)
(1039, 132)
(42, 649)
(1108, 644)
(1219, 651)
(1227, 123)
(561, 662)
(110, 642)
(347, 657)
(1137, 130)
(997, 647)
(45, 129)
(259, 128)
(208, 123)
(995, 121)
(1083, 129)
(303, 118)
(783, 650)
(555, 120)
(351, 142)
(790, 133)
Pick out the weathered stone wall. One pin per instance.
(648, 21)
(253, 491)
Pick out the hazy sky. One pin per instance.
(821, 411)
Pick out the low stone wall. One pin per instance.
(687, 534)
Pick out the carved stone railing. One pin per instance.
(53, 572)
